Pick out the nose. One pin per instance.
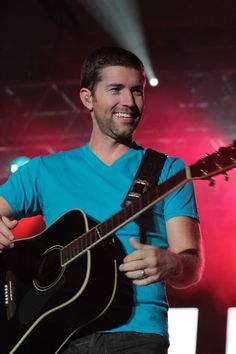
(128, 98)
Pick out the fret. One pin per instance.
(73, 249)
(89, 238)
(104, 227)
(93, 237)
(76, 247)
(65, 251)
(69, 252)
(63, 260)
(98, 232)
(82, 243)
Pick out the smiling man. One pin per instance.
(96, 178)
(116, 105)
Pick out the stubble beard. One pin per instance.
(109, 128)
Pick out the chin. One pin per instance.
(124, 137)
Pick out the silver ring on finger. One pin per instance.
(143, 274)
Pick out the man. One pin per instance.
(96, 178)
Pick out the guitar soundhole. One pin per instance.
(50, 270)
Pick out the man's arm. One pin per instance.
(185, 246)
(6, 225)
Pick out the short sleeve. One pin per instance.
(182, 201)
(21, 192)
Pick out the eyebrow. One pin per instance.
(138, 87)
(121, 86)
(116, 85)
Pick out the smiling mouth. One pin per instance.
(123, 115)
(126, 117)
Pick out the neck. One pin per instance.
(108, 149)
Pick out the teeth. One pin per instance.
(124, 115)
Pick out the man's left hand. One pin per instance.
(149, 264)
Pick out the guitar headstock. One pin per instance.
(219, 162)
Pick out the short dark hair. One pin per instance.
(103, 57)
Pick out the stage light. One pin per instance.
(18, 162)
(153, 81)
(230, 333)
(183, 323)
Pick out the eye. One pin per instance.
(115, 90)
(138, 92)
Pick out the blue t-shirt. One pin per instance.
(78, 179)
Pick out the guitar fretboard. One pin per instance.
(122, 217)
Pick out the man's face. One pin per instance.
(118, 101)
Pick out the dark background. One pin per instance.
(192, 47)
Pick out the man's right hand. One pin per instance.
(6, 235)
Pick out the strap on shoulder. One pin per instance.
(147, 175)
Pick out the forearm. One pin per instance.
(188, 268)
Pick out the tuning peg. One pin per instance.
(211, 182)
(226, 176)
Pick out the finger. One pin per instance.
(5, 243)
(132, 266)
(138, 245)
(149, 279)
(140, 251)
(5, 232)
(10, 223)
(145, 281)
(137, 254)
(137, 274)
(135, 244)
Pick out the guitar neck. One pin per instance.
(130, 212)
(141, 204)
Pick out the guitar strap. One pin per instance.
(146, 177)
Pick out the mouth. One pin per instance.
(125, 117)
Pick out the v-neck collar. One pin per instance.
(92, 156)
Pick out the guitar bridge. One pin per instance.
(9, 294)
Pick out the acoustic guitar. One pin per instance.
(54, 282)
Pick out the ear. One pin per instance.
(86, 98)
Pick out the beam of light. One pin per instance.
(121, 19)
(183, 323)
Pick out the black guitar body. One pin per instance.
(45, 302)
